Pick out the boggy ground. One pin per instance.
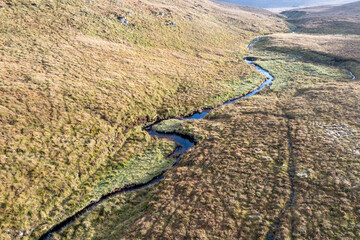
(282, 164)
(76, 78)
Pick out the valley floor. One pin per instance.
(78, 84)
(282, 164)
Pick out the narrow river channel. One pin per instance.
(184, 144)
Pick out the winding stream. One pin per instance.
(352, 75)
(184, 143)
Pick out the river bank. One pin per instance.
(184, 144)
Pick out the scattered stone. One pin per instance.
(158, 13)
(123, 20)
(170, 23)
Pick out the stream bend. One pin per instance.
(184, 144)
(352, 75)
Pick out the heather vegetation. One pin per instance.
(283, 164)
(77, 77)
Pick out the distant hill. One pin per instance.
(244, 7)
(283, 3)
(329, 19)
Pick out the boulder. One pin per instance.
(123, 20)
(170, 23)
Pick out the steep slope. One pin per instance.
(330, 19)
(77, 76)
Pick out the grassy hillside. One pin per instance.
(245, 7)
(337, 50)
(330, 19)
(76, 80)
(284, 3)
(283, 164)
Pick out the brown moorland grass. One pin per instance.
(75, 80)
(224, 188)
(301, 136)
(325, 135)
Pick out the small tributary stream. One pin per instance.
(184, 144)
(352, 75)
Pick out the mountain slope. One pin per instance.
(336, 50)
(77, 77)
(284, 3)
(330, 19)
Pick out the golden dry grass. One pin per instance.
(339, 45)
(301, 136)
(329, 19)
(338, 50)
(75, 82)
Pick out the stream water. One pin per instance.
(184, 144)
(352, 75)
